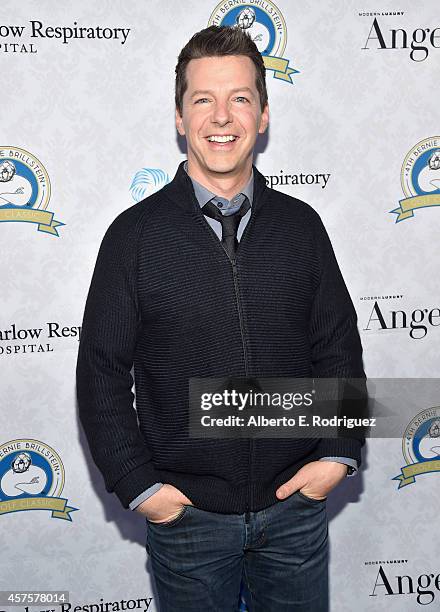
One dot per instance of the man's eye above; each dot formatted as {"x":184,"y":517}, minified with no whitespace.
{"x":201,"y":101}
{"x":241,"y":99}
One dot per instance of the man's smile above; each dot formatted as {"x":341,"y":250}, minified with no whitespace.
{"x":222,"y":142}
{"x":218,"y":138}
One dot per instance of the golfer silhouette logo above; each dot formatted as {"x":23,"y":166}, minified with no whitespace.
{"x":32,"y":477}
{"x":420,"y":178}
{"x":421,"y":446}
{"x":25,"y":190}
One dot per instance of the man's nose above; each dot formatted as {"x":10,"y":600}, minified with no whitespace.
{"x":221,"y":113}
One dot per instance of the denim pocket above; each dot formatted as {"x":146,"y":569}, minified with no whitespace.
{"x":311,"y":500}
{"x":173,"y":521}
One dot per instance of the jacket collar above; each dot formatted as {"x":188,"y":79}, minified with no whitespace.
{"x":181,"y":191}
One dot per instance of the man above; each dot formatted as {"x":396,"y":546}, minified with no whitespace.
{"x":216,"y":275}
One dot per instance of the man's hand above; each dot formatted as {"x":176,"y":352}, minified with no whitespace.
{"x":315,"y":479}
{"x":164,"y":505}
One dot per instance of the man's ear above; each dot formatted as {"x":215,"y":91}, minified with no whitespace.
{"x":179,"y":123}
{"x":264,"y":120}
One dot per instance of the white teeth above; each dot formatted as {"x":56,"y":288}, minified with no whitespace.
{"x":221,"y":138}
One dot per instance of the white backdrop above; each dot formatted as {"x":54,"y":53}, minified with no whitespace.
{"x":83,"y":118}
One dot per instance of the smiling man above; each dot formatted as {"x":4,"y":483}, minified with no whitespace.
{"x":221,"y":114}
{"x":216,"y":275}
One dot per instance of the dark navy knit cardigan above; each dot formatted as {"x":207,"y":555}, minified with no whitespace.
{"x":166,"y":298}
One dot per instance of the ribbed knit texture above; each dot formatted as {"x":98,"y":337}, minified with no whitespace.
{"x":163,"y":298}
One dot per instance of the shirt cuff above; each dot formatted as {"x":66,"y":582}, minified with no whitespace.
{"x":145,"y":495}
{"x":351,"y":463}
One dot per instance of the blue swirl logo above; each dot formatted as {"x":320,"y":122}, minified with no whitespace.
{"x":147,"y":181}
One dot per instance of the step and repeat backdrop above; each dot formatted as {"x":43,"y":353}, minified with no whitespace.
{"x":87,"y":131}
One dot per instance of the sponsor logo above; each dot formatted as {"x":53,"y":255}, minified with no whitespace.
{"x":420,"y":40}
{"x":275,"y":180}
{"x":385,"y":296}
{"x":128,"y":603}
{"x":147,"y":181}
{"x":420,"y":178}
{"x":25,"y":190}
{"x":418,"y":321}
{"x":265,"y":24}
{"x":421,"y":446}
{"x":381,"y":13}
{"x":422,"y":587}
{"x":32,"y":478}
{"x":24,"y":38}
{"x":24,"y":340}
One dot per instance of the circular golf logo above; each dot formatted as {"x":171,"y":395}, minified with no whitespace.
{"x":265,"y":24}
{"x":32,"y":478}
{"x":420,"y":178}
{"x":25,"y":190}
{"x":421,"y":446}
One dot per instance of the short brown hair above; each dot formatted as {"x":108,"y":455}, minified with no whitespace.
{"x":217,"y":41}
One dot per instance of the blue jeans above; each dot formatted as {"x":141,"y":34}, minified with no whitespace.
{"x":199,"y":558}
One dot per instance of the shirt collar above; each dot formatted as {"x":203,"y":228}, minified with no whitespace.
{"x":204,"y":195}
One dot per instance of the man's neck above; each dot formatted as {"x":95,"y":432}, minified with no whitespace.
{"x":225,"y":186}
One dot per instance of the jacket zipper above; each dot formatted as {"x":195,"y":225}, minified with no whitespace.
{"x":243,"y":341}
{"x":245,"y":354}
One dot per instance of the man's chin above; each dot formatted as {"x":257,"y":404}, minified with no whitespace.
{"x":224,"y":167}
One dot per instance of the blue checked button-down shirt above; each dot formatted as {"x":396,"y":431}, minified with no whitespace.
{"x":229,"y":207}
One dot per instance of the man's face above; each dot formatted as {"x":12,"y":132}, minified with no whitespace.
{"x":221,"y":100}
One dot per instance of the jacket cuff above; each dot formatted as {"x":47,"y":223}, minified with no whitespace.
{"x":135,"y":482}
{"x":339,"y":447}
